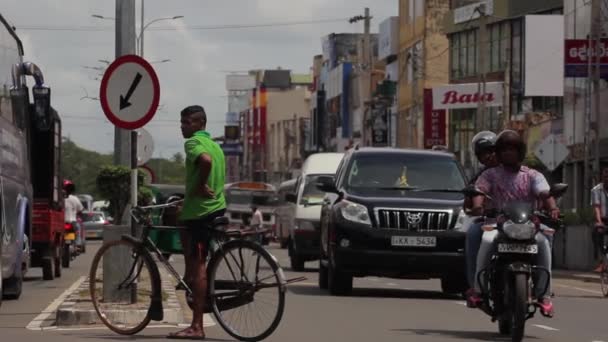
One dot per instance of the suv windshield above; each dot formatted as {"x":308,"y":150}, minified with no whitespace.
{"x":311,"y":194}
{"x":406,"y":171}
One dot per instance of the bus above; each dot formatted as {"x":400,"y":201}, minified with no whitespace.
{"x":241,"y":196}
{"x":21,"y":166}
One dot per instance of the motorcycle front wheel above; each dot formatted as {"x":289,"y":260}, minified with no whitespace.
{"x":519,"y":307}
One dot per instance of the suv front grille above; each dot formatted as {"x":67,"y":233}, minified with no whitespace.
{"x":413,"y":219}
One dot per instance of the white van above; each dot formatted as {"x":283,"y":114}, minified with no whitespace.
{"x":304,"y":230}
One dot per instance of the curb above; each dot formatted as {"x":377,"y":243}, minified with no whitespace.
{"x":68,"y":315}
{"x":585,"y":277}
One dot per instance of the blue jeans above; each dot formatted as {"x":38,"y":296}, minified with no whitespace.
{"x":472,"y":244}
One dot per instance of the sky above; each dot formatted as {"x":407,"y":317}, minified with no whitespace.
{"x":66,"y":42}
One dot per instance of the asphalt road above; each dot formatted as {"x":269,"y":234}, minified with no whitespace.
{"x":379,"y":310}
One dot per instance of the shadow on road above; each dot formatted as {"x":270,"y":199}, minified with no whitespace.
{"x":462,"y":335}
{"x":307,"y":290}
{"x":142,"y":337}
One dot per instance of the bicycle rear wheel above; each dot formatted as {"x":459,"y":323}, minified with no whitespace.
{"x":604,"y":276}
{"x":123,"y":282}
{"x":246,"y":290}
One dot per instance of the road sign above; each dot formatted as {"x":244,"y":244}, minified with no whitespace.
{"x":149,"y":176}
{"x":145,"y":146}
{"x":129,"y":92}
{"x":551,"y":152}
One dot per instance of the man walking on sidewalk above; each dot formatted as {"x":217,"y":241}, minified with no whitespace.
{"x":204,"y":201}
{"x":599,"y":201}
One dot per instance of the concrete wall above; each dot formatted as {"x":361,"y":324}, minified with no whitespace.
{"x":573,"y":249}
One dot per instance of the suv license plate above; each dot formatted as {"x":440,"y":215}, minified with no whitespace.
{"x":517,"y":248}
{"x":414,"y":241}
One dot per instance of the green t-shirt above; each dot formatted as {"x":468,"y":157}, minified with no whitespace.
{"x":196,"y":206}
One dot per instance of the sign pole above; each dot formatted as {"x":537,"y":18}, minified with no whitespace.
{"x":133,"y":178}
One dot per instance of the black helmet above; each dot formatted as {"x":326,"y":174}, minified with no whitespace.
{"x":483,"y":141}
{"x":511,"y":138}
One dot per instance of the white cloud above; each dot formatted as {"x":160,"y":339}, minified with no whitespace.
{"x":197,"y":56}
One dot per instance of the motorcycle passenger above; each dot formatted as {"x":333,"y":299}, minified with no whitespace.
{"x":483,"y":147}
{"x":73,"y":208}
{"x":599,"y":201}
{"x":512,"y":182}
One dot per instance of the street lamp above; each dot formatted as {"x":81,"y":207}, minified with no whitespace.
{"x":161,"y":61}
{"x":140,"y":38}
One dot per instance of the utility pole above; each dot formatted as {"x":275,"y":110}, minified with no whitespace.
{"x":506,"y":106}
{"x":367,"y":61}
{"x":141,"y":34}
{"x":481,"y":85}
{"x":596,"y":17}
{"x":125,"y":45}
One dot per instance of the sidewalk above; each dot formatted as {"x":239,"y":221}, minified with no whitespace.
{"x":78,"y":310}
{"x":588,"y":277}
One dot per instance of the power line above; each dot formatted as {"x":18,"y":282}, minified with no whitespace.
{"x":194,"y":27}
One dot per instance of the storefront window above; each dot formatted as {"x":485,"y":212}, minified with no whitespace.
{"x":454,"y":61}
{"x":472,"y":53}
{"x":463,"y":54}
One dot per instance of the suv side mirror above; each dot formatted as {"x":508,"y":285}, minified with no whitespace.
{"x":42,"y":107}
{"x":291,"y":198}
{"x":327,"y":184}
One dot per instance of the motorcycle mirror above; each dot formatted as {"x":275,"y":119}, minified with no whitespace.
{"x":472,"y":191}
{"x":558,"y":190}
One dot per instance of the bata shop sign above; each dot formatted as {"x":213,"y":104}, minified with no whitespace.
{"x":456,"y":96}
{"x":435,"y":132}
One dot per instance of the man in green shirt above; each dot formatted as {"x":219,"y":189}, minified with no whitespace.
{"x":204,"y":201}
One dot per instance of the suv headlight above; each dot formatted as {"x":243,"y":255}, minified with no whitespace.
{"x":462,"y":221}
{"x":519,"y":231}
{"x":354,"y":212}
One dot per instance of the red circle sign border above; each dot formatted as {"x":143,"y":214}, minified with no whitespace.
{"x":149,"y":169}
{"x":104,"y":99}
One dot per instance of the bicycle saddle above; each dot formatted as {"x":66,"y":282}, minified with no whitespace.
{"x":220,"y":221}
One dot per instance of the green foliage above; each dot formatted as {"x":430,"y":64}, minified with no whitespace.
{"x":82,"y":167}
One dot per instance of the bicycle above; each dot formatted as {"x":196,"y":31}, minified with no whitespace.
{"x":604,"y":271}
{"x":135,"y":298}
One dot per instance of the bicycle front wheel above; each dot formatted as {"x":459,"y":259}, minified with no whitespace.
{"x":246,"y":291}
{"x":123,"y":281}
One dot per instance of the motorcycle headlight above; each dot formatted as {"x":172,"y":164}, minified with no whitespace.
{"x":355,"y":212}
{"x":519,"y":231}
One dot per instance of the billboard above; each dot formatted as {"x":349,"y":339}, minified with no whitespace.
{"x":544,"y":64}
{"x":577,"y":55}
{"x":239,"y":82}
{"x":457,"y":96}
{"x":435,"y":122}
{"x":388,"y":38}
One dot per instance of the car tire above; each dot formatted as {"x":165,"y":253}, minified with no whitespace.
{"x":338,"y":282}
{"x":283,"y":244}
{"x":1,"y":286}
{"x":47,"y":268}
{"x":66,"y":256}
{"x":323,"y":276}
{"x":453,"y":284}
{"x":13,"y":287}
{"x":57,"y":261}
{"x":297,"y":263}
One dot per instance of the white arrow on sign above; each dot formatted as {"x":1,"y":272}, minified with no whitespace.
{"x":551,"y":152}
{"x":145,"y":146}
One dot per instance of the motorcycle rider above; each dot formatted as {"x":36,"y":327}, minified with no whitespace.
{"x":483,"y":147}
{"x":508,"y":182}
{"x":73,"y":207}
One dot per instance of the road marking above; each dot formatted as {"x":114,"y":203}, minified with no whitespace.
{"x":579,"y":289}
{"x":206,"y":323}
{"x":36,"y":323}
{"x":545,"y":327}
{"x":460,"y":303}
{"x":391,"y":284}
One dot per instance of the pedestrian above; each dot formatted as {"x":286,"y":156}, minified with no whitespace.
{"x":599,"y":201}
{"x":204,"y":201}
{"x":72,"y":209}
{"x":256,"y":222}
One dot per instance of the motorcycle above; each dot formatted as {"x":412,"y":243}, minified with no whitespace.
{"x":70,"y":248}
{"x":508,"y":283}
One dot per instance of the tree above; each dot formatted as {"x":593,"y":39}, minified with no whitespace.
{"x":178,"y":158}
{"x":114,"y":184}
